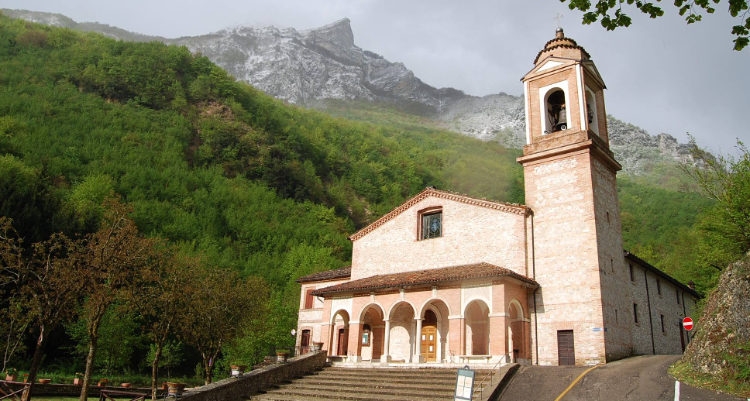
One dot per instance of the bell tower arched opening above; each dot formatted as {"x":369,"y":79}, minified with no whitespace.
{"x":556,"y":112}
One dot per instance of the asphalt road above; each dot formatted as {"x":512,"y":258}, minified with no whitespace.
{"x":642,"y":378}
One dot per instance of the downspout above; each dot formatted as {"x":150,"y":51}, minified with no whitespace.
{"x":533,"y":276}
{"x":650,"y":322}
{"x":536,"y":328}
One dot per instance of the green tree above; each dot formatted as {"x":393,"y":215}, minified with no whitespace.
{"x":611,"y":15}
{"x":45,"y":283}
{"x":725,"y":226}
{"x":117,"y":260}
{"x":163,"y":305}
{"x":220,"y":303}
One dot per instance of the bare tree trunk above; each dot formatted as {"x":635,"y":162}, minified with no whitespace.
{"x":89,"y":367}
{"x":36,"y":360}
{"x":155,"y":370}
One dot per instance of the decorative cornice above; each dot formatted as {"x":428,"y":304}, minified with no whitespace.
{"x":425,"y":279}
{"x":432,"y":192}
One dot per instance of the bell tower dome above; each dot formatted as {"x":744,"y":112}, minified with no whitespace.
{"x":570,"y":186}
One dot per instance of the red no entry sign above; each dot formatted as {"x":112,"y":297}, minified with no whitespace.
{"x":687,"y":323}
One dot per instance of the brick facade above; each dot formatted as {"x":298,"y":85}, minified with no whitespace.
{"x":445,"y":278}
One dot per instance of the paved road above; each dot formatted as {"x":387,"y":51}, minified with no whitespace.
{"x":633,"y":379}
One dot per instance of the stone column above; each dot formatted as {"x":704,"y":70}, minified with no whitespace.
{"x":355,"y":342}
{"x":386,"y":357}
{"x":418,"y":345}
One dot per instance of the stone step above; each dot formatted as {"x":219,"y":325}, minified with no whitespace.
{"x":352,"y":394}
{"x":369,"y":384}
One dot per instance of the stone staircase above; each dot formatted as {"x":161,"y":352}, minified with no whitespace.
{"x":372,"y":384}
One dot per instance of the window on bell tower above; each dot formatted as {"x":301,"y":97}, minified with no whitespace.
{"x":591,"y":113}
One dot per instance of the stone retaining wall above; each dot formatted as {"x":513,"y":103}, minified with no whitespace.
{"x":240,"y":388}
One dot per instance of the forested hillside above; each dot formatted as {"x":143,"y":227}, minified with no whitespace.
{"x":230,"y":175}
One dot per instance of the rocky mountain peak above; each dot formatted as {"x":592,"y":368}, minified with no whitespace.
{"x":336,"y":39}
{"x":325,"y":63}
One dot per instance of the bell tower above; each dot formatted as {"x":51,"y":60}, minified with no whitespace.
{"x":570,"y":184}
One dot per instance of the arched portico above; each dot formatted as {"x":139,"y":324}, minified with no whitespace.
{"x":477,"y":328}
{"x":339,"y":336}
{"x":432,"y":326}
{"x":518,"y":345}
{"x":401,"y":333}
{"x":372,"y":333}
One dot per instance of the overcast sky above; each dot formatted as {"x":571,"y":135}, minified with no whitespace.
{"x":661,"y":75}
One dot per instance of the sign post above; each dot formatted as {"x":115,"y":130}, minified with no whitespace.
{"x":687,"y":323}
{"x":464,"y":384}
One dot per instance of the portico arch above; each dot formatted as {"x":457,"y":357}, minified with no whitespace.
{"x":517,"y":346}
{"x":339,"y":333}
{"x":372,"y":333}
{"x":477,"y":328}
{"x":402,"y":332}
{"x":433,"y":326}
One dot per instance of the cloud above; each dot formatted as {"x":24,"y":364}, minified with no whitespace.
{"x":662,"y":74}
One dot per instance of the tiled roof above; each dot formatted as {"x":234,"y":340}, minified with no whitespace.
{"x":424,"y":278}
{"x":658,"y":272}
{"x":430,"y":191}
{"x":335,"y":274}
{"x":562,"y":42}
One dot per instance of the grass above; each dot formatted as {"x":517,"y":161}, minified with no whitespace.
{"x":730,"y":384}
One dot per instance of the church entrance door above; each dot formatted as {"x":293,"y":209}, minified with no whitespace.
{"x":429,"y":343}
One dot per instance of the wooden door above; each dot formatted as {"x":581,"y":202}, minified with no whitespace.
{"x":566,"y":353}
{"x":343,"y":342}
{"x":305,"y":342}
{"x":429,"y":343}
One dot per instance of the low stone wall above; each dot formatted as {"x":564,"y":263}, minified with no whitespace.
{"x":253,"y":382}
{"x":70,"y":390}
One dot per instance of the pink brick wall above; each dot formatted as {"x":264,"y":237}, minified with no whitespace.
{"x":471,"y":234}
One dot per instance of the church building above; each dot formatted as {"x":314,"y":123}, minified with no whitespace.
{"x":448,"y":279}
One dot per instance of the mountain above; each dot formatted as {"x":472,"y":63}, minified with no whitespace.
{"x":310,"y":67}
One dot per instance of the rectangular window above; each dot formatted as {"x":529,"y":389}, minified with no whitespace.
{"x":632,"y":273}
{"x":432,"y":225}
{"x":677,"y":292}
{"x":366,"y":335}
{"x":661,"y":317}
{"x":309,"y":299}
{"x":635,"y":312}
{"x":658,"y":287}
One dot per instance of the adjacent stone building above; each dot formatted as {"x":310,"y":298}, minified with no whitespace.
{"x":446,"y":278}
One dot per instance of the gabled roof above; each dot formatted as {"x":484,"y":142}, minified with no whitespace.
{"x":424,"y":279}
{"x":328,"y":275}
{"x":661,"y":274}
{"x":432,"y":192}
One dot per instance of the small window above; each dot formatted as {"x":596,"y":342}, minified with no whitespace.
{"x":432,"y":225}
{"x":635,"y":313}
{"x":309,"y":299}
{"x":632,"y":272}
{"x":366,"y":335}
{"x":677,"y":292}
{"x":658,"y":287}
{"x":661,"y":318}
